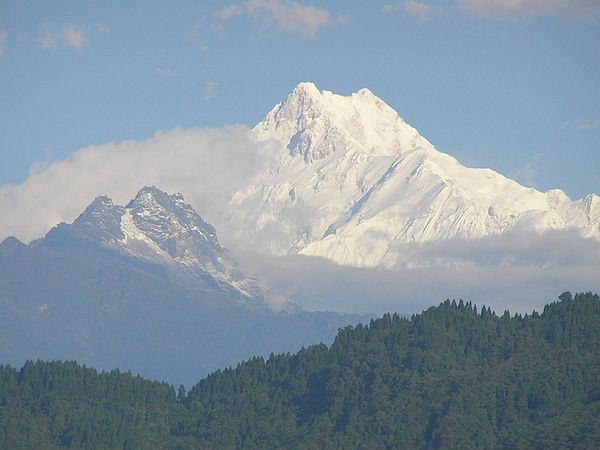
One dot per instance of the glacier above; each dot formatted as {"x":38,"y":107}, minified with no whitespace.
{"x":349,"y":180}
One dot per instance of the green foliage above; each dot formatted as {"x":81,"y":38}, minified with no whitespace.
{"x":449,"y":378}
{"x":63,"y":405}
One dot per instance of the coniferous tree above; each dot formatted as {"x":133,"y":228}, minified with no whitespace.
{"x":449,"y":378}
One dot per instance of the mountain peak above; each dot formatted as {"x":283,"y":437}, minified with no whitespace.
{"x":100,"y":203}
{"x":365,"y":92}
{"x":306,"y":88}
{"x":148,"y":194}
{"x":12,"y":245}
{"x":315,"y":124}
{"x":100,"y":220}
{"x":310,"y":89}
{"x":591,"y":204}
{"x":163,"y":229}
{"x":150,"y":190}
{"x":351,"y":181}
{"x":160,"y":214}
{"x":151,"y":198}
{"x":99,"y":207}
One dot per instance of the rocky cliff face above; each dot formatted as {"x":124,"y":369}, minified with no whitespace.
{"x":163,"y":229}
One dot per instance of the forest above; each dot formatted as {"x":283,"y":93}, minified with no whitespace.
{"x":452,"y":377}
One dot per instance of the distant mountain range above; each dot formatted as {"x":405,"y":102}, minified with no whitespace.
{"x":351,"y":181}
{"x":162,"y":229}
{"x":149,"y":287}
{"x":146,"y":287}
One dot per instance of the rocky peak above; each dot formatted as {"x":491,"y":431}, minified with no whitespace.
{"x":101,"y":220}
{"x":11,"y":245}
{"x":99,"y":207}
{"x":314,"y":124}
{"x":305,"y":90}
{"x":171,"y":223}
{"x":592,"y":204}
{"x":163,"y":229}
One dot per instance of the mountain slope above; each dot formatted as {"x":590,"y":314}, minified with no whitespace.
{"x":162,"y":229}
{"x":146,"y":287}
{"x":450,"y":378}
{"x":349,"y":180}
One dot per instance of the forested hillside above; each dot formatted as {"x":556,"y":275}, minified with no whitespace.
{"x":453,"y":377}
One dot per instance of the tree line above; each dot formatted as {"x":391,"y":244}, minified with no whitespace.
{"x":453,"y":377}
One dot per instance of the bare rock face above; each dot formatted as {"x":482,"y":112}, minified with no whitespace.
{"x":163,"y":229}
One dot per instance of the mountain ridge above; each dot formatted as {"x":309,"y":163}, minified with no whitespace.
{"x":164,"y":229}
{"x":350,"y":180}
{"x":146,"y":287}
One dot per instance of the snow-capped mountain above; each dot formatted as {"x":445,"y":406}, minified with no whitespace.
{"x":349,"y":180}
{"x":164,"y":229}
{"x":145,"y":287}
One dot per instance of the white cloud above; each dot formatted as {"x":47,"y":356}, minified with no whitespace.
{"x":210,"y":90}
{"x":2,"y":41}
{"x":502,"y":9}
{"x":580,"y":124}
{"x":525,"y":174}
{"x":206,"y":165}
{"x":286,"y":15}
{"x":517,"y":271}
{"x":74,"y":38}
{"x":413,"y":7}
{"x":230,"y":11}
{"x":589,"y":125}
{"x":50,"y":41}
{"x":165,"y":72}
{"x":68,"y":35}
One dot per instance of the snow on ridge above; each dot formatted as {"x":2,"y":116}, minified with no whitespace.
{"x":163,"y":229}
{"x":314,"y":123}
{"x":137,"y":243}
{"x":350,"y":180}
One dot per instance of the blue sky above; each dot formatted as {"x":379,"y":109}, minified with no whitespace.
{"x":511,"y":85}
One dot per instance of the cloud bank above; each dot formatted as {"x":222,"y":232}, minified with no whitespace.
{"x":412,"y":7}
{"x":519,"y":272}
{"x":503,"y":9}
{"x":206,"y":165}
{"x":284,"y":15}
{"x":589,"y":125}
{"x":165,"y":72}
{"x":67,"y":35}
{"x":2,"y":41}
